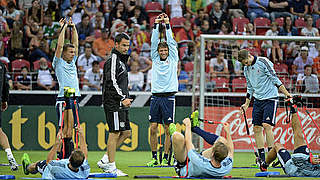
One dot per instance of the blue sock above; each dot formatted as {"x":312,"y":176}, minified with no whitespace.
{"x":208,"y":137}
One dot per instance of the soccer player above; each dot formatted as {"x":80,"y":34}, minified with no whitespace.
{"x":4,"y":143}
{"x":213,"y":162}
{"x":116,"y":101}
{"x":298,"y":163}
{"x":76,"y":167}
{"x":263,"y":85}
{"x":164,"y":85}
{"x":64,"y":64}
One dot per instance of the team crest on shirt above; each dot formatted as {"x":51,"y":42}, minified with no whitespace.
{"x":121,"y":124}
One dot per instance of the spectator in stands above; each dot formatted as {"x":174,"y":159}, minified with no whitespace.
{"x":183,"y":78}
{"x":315,"y":11}
{"x":288,"y":29}
{"x":98,"y":23}
{"x":205,"y":28}
{"x":301,"y":61}
{"x":107,"y":6}
{"x":85,"y":30}
{"x":45,"y":80}
{"x":17,"y":37}
{"x":92,"y":6}
{"x":236,"y":8}
{"x":3,"y":23}
{"x":144,"y":63}
{"x":217,"y":17}
{"x":226,"y":29}
{"x":54,"y":42}
{"x":307,"y":82}
{"x":11,"y":14}
{"x":249,"y":30}
{"x":138,"y":17}
{"x":234,"y":66}
{"x":25,"y":4}
{"x":209,"y":51}
{"x":31,"y":31}
{"x":258,"y":9}
{"x":86,"y":59}
{"x":201,"y":15}
{"x":24,"y":80}
{"x":192,"y":6}
{"x":135,"y":77}
{"x":45,"y":3}
{"x":53,"y":11}
{"x":274,"y":52}
{"x":139,"y":37}
{"x":49,"y":27}
{"x":103,"y":45}
{"x":219,"y":66}
{"x":310,"y":31}
{"x":118,"y":12}
{"x":189,"y":53}
{"x":34,"y":13}
{"x":131,"y":5}
{"x":279,"y":8}
{"x":93,"y":78}
{"x":118,"y":27}
{"x":76,"y":10}
{"x":316,"y":63}
{"x":299,"y":8}
{"x":148,"y":83}
{"x":175,"y":8}
{"x":185,"y":33}
{"x":39,"y":47}
{"x":145,"y":50}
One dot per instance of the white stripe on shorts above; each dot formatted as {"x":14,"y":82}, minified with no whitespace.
{"x":274,"y":112}
{"x":116,"y":121}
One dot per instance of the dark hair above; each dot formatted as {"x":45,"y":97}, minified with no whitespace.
{"x":11,"y":5}
{"x":84,"y":16}
{"x":121,"y":36}
{"x":243,"y":54}
{"x":162,"y":45}
{"x":76,"y":158}
{"x":87,"y":45}
{"x":66,"y":46}
{"x":95,"y":63}
{"x":306,"y":66}
{"x":220,"y":151}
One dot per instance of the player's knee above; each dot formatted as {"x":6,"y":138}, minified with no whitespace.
{"x":126,"y":134}
{"x":267,"y":127}
{"x":278,"y":146}
{"x":153,"y":128}
{"x":177,"y":138}
{"x":257,"y":129}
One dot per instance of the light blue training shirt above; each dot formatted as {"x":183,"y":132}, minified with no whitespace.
{"x":66,"y":74}
{"x":200,"y":166}
{"x":58,"y":169}
{"x":299,"y":165}
{"x":262,"y":81}
{"x":164,"y":76}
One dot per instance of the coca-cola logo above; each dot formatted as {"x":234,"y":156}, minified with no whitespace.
{"x":283,"y":133}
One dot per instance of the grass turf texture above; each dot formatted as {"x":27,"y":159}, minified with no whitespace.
{"x":125,"y":159}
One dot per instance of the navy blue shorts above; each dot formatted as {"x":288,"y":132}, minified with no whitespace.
{"x":117,"y":120}
{"x":264,"y":111}
{"x":69,"y":105}
{"x":284,"y":155}
{"x":162,"y":109}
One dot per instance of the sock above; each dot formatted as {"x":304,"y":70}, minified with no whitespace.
{"x":154,"y":155}
{"x":165,"y":156}
{"x":105,"y":159}
{"x":269,"y":149}
{"x":9,"y":153}
{"x":208,"y":137}
{"x":112,"y":165}
{"x":262,"y":154}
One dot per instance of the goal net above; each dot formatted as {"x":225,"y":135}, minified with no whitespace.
{"x":222,"y":86}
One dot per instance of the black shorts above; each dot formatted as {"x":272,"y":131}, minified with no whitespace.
{"x":118,"y":120}
{"x":264,"y":111}
{"x":284,"y":155}
{"x":41,"y":165}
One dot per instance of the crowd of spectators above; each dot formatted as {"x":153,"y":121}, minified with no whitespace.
{"x":29,"y":31}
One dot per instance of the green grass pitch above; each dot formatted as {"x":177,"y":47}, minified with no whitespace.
{"x":125,"y":159}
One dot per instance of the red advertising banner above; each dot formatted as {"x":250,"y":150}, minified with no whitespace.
{"x":239,"y":135}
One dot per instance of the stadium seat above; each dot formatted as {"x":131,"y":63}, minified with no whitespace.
{"x":286,"y":81}
{"x":151,"y":20}
{"x":222,"y":84}
{"x":177,"y":24}
{"x":17,"y":64}
{"x":261,"y":25}
{"x":188,"y":67}
{"x":280,"y":21}
{"x":239,"y":84}
{"x":238,"y":24}
{"x":182,"y":51}
{"x":255,"y":51}
{"x":207,"y":66}
{"x":299,"y":24}
{"x":36,"y":65}
{"x":101,"y":64}
{"x":281,"y":68}
{"x":153,"y":9}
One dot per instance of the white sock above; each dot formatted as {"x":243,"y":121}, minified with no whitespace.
{"x":112,"y":165}
{"x":9,"y":153}
{"x":105,"y":159}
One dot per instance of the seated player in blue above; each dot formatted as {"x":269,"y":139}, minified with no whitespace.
{"x":76,"y":167}
{"x":213,"y":162}
{"x":300,"y":163}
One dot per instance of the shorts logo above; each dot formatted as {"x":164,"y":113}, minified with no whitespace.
{"x":307,"y":150}
{"x":121,"y":124}
{"x":268,"y":119}
{"x":149,"y":117}
{"x":169,"y":119}
{"x":283,"y":150}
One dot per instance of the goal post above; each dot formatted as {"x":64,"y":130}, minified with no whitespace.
{"x":224,"y":102}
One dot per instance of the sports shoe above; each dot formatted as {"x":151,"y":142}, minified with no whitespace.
{"x":120,"y":173}
{"x":13,"y":164}
{"x":115,"y":171}
{"x":194,"y":117}
{"x":172,"y":128}
{"x":25,"y":163}
{"x":262,"y":165}
{"x":152,"y":163}
{"x":102,"y":165}
{"x":275,"y":164}
{"x":165,"y":162}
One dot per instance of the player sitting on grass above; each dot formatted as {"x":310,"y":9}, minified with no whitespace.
{"x":213,"y":162}
{"x":76,"y":167}
{"x":299,"y":163}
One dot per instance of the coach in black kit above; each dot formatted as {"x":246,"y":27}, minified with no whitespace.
{"x":116,"y":101}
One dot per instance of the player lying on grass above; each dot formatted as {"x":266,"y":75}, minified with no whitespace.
{"x":299,"y":163}
{"x":76,"y":167}
{"x":213,"y":162}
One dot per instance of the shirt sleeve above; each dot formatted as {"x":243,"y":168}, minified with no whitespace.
{"x":154,"y":42}
{"x":249,"y":85}
{"x":86,"y":75}
{"x":271,"y":73}
{"x":55,"y":62}
{"x":194,"y":157}
{"x":173,"y":47}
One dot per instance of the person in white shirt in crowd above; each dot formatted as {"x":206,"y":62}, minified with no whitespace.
{"x":86,"y":59}
{"x":219,"y":65}
{"x":309,"y":30}
{"x":144,"y":62}
{"x":274,"y":51}
{"x":93,"y":77}
{"x":175,"y":8}
{"x":135,"y":77}
{"x":45,"y":79}
{"x":307,"y":82}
